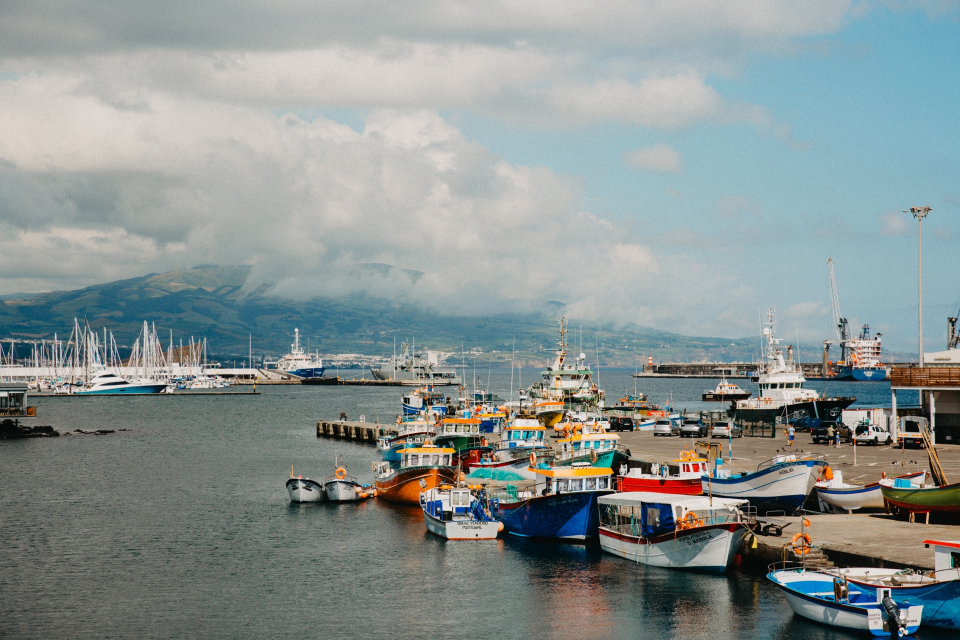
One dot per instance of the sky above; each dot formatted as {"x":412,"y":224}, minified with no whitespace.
{"x":680,"y":165}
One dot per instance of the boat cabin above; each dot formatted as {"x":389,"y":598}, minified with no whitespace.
{"x":522,"y":432}
{"x":646,"y":514}
{"x":13,"y":401}
{"x":579,"y":477}
{"x":584,"y":443}
{"x":459,"y":426}
{"x":426,"y":456}
{"x":695,"y":467}
{"x":946,"y":556}
{"x":446,"y":503}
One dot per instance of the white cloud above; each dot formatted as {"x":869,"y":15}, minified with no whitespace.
{"x":660,"y":158}
{"x":895,"y":224}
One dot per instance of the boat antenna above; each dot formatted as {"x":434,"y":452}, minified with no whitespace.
{"x":513,"y":361}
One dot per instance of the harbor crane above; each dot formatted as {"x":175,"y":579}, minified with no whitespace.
{"x":843,"y":331}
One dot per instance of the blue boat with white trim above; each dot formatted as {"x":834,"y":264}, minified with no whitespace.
{"x":562,"y":505}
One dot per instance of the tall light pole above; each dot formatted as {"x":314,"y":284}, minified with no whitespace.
{"x":920,"y":213}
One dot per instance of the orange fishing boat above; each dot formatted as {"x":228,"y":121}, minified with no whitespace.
{"x":420,"y":468}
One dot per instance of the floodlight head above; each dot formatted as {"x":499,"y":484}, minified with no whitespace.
{"x":919,"y":212}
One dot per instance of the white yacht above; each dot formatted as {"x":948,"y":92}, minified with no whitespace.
{"x":300,"y":363}
{"x":107,"y":382}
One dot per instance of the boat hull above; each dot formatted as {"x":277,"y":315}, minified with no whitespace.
{"x":810,"y":595}
{"x":710,"y":548}
{"x":304,"y":490}
{"x":940,"y":600}
{"x":307,"y":372}
{"x":853,"y":497}
{"x":343,"y":491}
{"x":863,"y":374}
{"x":686,"y":486}
{"x":944,"y":499}
{"x":461,"y":529}
{"x":565,"y":516}
{"x":115,"y":391}
{"x":609,"y":459}
{"x":829,"y":408}
{"x":781,"y":487}
{"x":404,"y":485}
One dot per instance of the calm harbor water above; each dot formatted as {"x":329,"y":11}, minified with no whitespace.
{"x":181,"y":527}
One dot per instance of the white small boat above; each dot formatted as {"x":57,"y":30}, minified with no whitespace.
{"x":840,"y":497}
{"x":457,"y":514}
{"x":341,"y":487}
{"x":828,"y":599}
{"x":670,"y":530}
{"x":725,"y":392}
{"x":304,"y":489}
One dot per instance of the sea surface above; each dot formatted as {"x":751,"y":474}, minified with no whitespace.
{"x":178,"y":525}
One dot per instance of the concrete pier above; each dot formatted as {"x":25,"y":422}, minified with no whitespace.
{"x":361,"y":432}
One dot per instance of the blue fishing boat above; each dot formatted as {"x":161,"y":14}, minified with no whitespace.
{"x":424,"y":400}
{"x":562,"y":505}
{"x":780,"y":484}
{"x":938,"y":591}
{"x":829,"y":600}
{"x":409,"y":433}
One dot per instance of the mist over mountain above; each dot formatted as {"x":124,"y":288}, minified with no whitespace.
{"x":220,"y":304}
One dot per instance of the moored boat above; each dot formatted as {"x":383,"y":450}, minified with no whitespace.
{"x":457,"y":514}
{"x":599,"y":449}
{"x":828,"y":599}
{"x":687,"y":480}
{"x":674,"y":531}
{"x":302,"y":489}
{"x":341,"y":487}
{"x":562,"y":505}
{"x":938,"y":591}
{"x":107,"y":382}
{"x":780,"y":484}
{"x":725,"y":392}
{"x":781,"y":390}
{"x":409,"y":433}
{"x":420,"y":468}
{"x":298,"y":362}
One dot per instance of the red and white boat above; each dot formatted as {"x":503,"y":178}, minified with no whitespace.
{"x":686,"y":482}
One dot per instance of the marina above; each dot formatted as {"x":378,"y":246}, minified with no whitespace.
{"x":861,"y":539}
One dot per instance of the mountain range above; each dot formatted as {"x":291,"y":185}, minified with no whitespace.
{"x":216,"y":303}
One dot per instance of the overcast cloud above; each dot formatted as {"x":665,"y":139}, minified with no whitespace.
{"x":141,"y":137}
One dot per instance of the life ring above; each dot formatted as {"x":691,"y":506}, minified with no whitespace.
{"x":341,"y":473}
{"x":533,"y":459}
{"x":686,"y":455}
{"x":593,"y":456}
{"x":801,"y":544}
{"x":690,"y":521}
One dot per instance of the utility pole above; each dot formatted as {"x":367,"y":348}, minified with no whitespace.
{"x":920,"y":213}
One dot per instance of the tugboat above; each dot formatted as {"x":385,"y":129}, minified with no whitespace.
{"x":781,"y":387}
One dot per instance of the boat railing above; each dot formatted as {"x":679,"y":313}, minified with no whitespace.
{"x":512,"y":493}
{"x":788,"y":458}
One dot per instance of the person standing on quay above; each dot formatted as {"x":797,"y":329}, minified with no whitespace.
{"x":790,"y":435}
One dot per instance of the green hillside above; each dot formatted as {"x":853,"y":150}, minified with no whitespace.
{"x":211,"y":302}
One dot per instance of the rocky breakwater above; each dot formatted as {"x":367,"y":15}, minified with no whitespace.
{"x":12,"y":429}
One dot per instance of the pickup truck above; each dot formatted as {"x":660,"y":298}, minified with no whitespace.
{"x":819,"y":430}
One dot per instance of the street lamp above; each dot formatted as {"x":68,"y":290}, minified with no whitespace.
{"x":920,"y":213}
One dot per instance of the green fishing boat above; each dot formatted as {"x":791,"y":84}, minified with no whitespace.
{"x":931,"y":499}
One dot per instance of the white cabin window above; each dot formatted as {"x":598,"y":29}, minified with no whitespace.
{"x":590,"y":484}
{"x":413,"y":460}
{"x":561,"y":485}
{"x":576,"y":485}
{"x":602,"y":483}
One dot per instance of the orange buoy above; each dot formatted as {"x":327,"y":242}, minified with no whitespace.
{"x":828,"y":473}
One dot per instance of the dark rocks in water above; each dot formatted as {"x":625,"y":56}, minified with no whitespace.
{"x":12,"y":429}
{"x":98,"y":432}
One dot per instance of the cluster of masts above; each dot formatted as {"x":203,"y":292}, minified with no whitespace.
{"x":86,"y":352}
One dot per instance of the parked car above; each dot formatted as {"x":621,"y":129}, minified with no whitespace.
{"x":725,"y":429}
{"x":693,"y":428}
{"x":666,"y":427}
{"x":621,"y":423}
{"x":871,"y":434}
